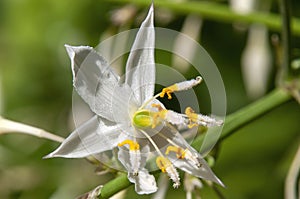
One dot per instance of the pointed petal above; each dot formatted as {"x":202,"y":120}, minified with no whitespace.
{"x":94,"y":136}
{"x":140,"y":67}
{"x":204,"y":171}
{"x":97,"y":83}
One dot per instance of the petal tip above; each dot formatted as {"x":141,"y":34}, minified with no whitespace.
{"x":50,"y":155}
{"x":70,"y":50}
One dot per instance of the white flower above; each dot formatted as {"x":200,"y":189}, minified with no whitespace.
{"x":128,"y":115}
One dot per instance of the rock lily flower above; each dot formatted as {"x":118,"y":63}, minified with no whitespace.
{"x":129,"y":117}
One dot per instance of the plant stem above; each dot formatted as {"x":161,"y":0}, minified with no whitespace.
{"x":291,"y":179}
{"x":114,"y":186}
{"x":233,"y":122}
{"x":220,"y":12}
{"x":247,"y":114}
{"x":286,"y":38}
{"x":8,"y":126}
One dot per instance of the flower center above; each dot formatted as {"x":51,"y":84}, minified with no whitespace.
{"x":142,"y":118}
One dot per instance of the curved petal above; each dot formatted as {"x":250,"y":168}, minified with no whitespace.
{"x":94,"y":136}
{"x":204,"y":171}
{"x":144,"y":182}
{"x":140,"y":66}
{"x":97,"y":83}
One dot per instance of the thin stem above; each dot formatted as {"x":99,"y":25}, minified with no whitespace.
{"x":286,"y":38}
{"x":114,"y":186}
{"x":220,"y":12}
{"x":170,"y":141}
{"x":218,"y":192}
{"x":148,"y":101}
{"x":153,"y":143}
{"x":291,"y":179}
{"x":8,"y":126}
{"x":233,"y":122}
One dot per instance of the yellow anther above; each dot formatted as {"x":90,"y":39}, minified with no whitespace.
{"x":163,"y":163}
{"x":133,"y":146}
{"x":193,"y":117}
{"x":160,"y":114}
{"x":180,"y":153}
{"x":168,"y":91}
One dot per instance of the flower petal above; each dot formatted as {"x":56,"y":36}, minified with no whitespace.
{"x":124,"y":155}
{"x":144,"y":182}
{"x":204,"y":171}
{"x":97,"y":83}
{"x":94,"y":136}
{"x":140,"y":66}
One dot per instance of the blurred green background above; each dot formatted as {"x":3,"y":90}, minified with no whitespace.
{"x":36,"y":89}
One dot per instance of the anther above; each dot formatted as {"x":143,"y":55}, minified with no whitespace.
{"x":133,"y":146}
{"x":193,"y":117}
{"x":168,"y":91}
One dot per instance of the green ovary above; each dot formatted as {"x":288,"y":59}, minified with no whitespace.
{"x":142,"y":118}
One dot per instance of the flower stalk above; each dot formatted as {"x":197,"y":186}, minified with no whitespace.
{"x":221,"y":12}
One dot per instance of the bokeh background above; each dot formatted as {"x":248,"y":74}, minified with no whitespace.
{"x":36,"y":89}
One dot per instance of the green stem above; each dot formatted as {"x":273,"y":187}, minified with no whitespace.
{"x":114,"y":186}
{"x":245,"y":115}
{"x":233,"y":122}
{"x":286,"y":38}
{"x":220,"y":12}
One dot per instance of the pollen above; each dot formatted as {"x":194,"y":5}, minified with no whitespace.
{"x":161,"y":114}
{"x":180,"y":153}
{"x":184,"y":154}
{"x":166,"y":166}
{"x":193,"y":117}
{"x":168,"y":91}
{"x":163,"y":163}
{"x":133,"y":146}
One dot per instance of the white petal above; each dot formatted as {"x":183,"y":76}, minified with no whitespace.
{"x":97,"y":83}
{"x":124,"y":155}
{"x":144,"y":182}
{"x":94,"y":136}
{"x":140,"y":67}
{"x":203,"y":172}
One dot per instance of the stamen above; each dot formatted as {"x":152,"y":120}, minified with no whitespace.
{"x":185,"y":85}
{"x":168,"y":91}
{"x":134,"y":155}
{"x":168,"y":115}
{"x":198,"y":119}
{"x":152,"y":142}
{"x":160,"y":114}
{"x":180,"y":153}
{"x":162,"y":163}
{"x":193,"y":117}
{"x":165,"y":165}
{"x":184,"y":154}
{"x":133,"y":146}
